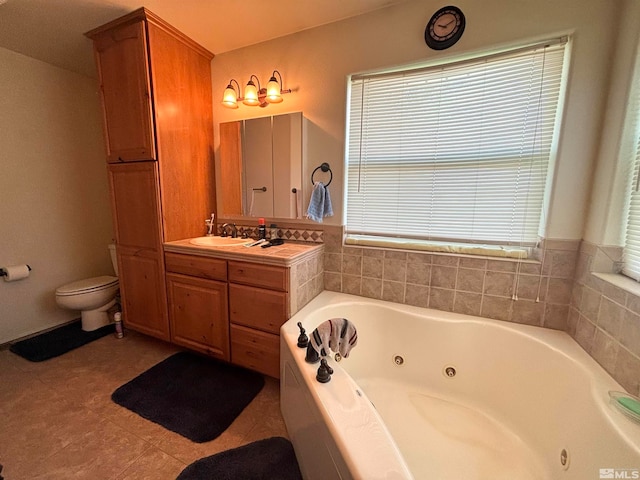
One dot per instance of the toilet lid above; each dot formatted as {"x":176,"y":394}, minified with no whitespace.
{"x":87,"y":285}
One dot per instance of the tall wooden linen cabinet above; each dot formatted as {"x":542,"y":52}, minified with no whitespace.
{"x":155,"y":85}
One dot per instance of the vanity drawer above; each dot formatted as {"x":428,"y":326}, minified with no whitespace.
{"x":203,"y":267}
{"x":265,"y":276}
{"x":256,"y":350}
{"x":257,"y":307}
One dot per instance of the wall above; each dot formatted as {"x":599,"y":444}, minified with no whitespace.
{"x":315,"y":63}
{"x":55,"y":210}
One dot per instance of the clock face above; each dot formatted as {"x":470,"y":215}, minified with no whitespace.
{"x":445,"y":28}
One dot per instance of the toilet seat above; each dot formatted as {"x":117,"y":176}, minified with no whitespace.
{"x":88,"y":285}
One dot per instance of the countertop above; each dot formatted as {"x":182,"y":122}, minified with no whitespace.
{"x":283,"y":255}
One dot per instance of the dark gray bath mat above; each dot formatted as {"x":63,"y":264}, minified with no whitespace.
{"x":270,"y":459}
{"x":58,"y":341}
{"x":194,"y":396}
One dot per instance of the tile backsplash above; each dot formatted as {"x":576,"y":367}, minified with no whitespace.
{"x":558,"y":291}
{"x":531,"y":292}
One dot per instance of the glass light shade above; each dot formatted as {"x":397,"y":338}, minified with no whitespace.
{"x":230,"y":98}
{"x":251,"y":95}
{"x":273,"y":91}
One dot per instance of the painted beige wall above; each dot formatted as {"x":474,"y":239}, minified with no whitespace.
{"x":316,"y":63}
{"x":54,"y":213}
{"x":606,"y":214}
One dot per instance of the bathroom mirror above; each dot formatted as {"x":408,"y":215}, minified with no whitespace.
{"x":261,"y":167}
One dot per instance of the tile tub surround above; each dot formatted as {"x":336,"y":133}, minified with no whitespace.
{"x":467,"y":284}
{"x":605,"y":318}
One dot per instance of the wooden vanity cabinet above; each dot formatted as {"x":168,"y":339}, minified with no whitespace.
{"x":155,"y":86}
{"x":198,"y":307}
{"x":258,"y":306}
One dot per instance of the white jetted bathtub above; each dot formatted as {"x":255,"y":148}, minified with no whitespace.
{"x":440,"y":396}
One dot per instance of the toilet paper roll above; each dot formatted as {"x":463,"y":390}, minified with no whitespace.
{"x":15,"y":272}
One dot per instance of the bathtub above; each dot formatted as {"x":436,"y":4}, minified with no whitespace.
{"x":441,"y":396}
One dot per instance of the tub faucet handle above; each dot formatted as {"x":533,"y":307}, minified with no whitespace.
{"x":303,"y":340}
{"x":324,"y":372}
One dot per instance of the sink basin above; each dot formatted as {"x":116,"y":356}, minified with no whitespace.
{"x":219,"y":241}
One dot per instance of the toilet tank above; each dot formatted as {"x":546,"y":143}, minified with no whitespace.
{"x":114,"y":259}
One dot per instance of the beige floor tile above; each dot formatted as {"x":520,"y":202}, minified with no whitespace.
{"x":57,"y":420}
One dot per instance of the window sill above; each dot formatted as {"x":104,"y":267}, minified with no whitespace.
{"x":620,"y":281}
{"x":439,"y":247}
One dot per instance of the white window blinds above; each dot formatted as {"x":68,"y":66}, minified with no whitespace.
{"x":458,"y":152}
{"x":630,"y":158}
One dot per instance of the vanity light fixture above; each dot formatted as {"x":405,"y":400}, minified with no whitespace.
{"x":255,"y":95}
{"x":230,"y":97}
{"x":274,"y":88}
{"x":251,"y":92}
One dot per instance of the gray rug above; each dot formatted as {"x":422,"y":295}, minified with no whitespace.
{"x":270,"y":459}
{"x":197,"y":397}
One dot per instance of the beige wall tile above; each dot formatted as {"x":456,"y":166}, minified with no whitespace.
{"x":555,"y":316}
{"x":528,"y":268}
{"x":610,"y":317}
{"x":633,"y":303}
{"x":626,"y":371}
{"x":585,"y":331}
{"x":372,"y":267}
{"x":498,"y":308}
{"x":470,"y":280}
{"x":559,"y":290}
{"x":576,"y":295}
{"x":394,"y":270}
{"x":417,"y":295}
{"x":532,"y":287}
{"x":441,"y":299}
{"x":351,"y":284}
{"x":590,"y":304}
{"x":443,"y":277}
{"x":332,"y":281}
{"x":447,"y":260}
{"x":347,"y":250}
{"x":572,"y":321}
{"x":395,"y":255}
{"x":418,"y":273}
{"x":630,"y":332}
{"x":352,"y":264}
{"x":527,"y":312}
{"x":614,"y":293}
{"x":605,"y":350}
{"x":469,"y":262}
{"x":467,"y":303}
{"x":372,"y":288}
{"x":563,"y":264}
{"x":332,"y":262}
{"x":393,"y":291}
{"x":373,"y":252}
{"x":502,"y":265}
{"x":419,"y":257}
{"x":499,"y":284}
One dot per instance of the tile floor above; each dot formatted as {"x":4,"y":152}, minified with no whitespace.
{"x":57,"y":420}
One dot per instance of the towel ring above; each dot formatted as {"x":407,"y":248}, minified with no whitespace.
{"x":325,"y":168}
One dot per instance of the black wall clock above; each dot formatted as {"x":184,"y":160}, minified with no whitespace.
{"x":445,"y":28}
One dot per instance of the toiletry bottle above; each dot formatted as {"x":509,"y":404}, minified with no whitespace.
{"x":118,"y":319}
{"x":262,"y":229}
{"x":273,"y":231}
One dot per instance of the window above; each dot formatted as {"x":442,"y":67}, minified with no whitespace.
{"x":630,"y":158}
{"x":457,"y":152}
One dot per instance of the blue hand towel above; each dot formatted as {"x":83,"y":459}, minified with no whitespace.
{"x":320,"y":203}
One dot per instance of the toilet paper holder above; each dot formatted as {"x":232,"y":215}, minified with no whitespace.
{"x":3,"y":272}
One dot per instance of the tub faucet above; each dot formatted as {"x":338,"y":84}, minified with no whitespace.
{"x":234,"y":230}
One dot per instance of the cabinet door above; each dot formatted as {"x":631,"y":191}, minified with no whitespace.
{"x":198,"y":312}
{"x":143,"y":294}
{"x":136,"y":214}
{"x":123,"y":70}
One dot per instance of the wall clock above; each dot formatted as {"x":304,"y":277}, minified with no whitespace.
{"x":445,"y":28}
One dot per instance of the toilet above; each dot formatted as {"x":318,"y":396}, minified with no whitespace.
{"x":92,"y":296}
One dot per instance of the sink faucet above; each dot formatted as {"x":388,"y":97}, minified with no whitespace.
{"x":234,"y":230}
